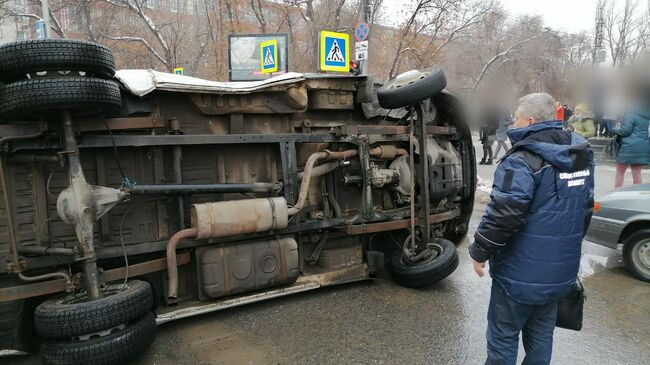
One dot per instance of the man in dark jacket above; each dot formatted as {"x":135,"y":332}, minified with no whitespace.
{"x":532,"y":230}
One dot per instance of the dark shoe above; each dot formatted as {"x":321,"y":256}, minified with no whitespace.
{"x":488,"y":163}
{"x":482,"y":162}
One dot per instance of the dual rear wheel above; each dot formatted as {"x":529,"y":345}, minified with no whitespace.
{"x":56,"y":74}
{"x":105,"y":331}
{"x":43,"y":76}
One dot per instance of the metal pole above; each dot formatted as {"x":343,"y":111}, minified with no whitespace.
{"x":175,"y":129}
{"x":365,"y":11}
{"x":46,"y":18}
{"x":180,"y":189}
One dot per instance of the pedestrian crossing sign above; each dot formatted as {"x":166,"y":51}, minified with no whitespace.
{"x":269,"y":56}
{"x":334,"y":51}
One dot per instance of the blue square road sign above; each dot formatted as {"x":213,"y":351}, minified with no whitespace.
{"x":334,"y":51}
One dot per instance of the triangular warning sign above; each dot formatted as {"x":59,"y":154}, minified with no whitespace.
{"x":335,"y":54}
{"x":268,"y":58}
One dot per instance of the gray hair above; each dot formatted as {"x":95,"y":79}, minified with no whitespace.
{"x":539,"y":106}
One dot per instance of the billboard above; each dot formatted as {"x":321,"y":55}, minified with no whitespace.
{"x":244,"y":56}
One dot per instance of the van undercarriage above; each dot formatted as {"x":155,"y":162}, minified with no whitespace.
{"x":218,"y":197}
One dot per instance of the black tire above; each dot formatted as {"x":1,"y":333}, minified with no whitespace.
{"x":20,"y":58}
{"x":411,"y":87}
{"x":73,"y":315}
{"x":115,"y":348}
{"x":428,"y":270}
{"x":637,"y":244}
{"x":61,"y":93}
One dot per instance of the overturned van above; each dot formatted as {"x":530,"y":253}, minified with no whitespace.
{"x":132,"y":198}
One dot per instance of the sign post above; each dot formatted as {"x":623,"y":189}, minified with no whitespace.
{"x":334,"y":51}
{"x":269,"y":56}
{"x":361,"y":33}
{"x":40,"y":29}
{"x":361,"y":51}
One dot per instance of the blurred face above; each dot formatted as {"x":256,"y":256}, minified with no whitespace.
{"x":522,"y":120}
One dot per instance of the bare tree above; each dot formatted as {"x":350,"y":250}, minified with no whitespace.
{"x":622,"y":30}
{"x":317,"y":16}
{"x":258,"y":9}
{"x":162,"y":52}
{"x":8,"y":8}
{"x":403,"y":38}
{"x":433,"y":25}
{"x":512,"y":49}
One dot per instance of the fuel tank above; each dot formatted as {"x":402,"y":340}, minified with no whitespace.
{"x":244,"y":267}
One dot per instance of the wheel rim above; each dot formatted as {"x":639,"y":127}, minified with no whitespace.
{"x":408,"y":78}
{"x":641,"y":256}
{"x":433,"y":250}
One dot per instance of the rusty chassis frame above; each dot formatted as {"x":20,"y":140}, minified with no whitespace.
{"x":30,"y":139}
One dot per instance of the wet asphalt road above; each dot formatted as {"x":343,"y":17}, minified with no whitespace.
{"x":379,"y":322}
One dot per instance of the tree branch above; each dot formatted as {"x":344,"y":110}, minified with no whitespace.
{"x":143,"y":42}
{"x":512,"y":49}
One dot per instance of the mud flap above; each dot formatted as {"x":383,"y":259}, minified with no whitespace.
{"x":376,"y":265}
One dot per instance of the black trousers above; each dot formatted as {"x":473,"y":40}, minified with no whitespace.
{"x":487,"y":151}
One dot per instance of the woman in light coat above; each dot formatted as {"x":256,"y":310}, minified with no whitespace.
{"x":582,"y":121}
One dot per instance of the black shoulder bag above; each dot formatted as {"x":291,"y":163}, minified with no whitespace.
{"x":612,"y":147}
{"x":569,"y":308}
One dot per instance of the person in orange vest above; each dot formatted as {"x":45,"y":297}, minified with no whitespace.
{"x":559,"y":111}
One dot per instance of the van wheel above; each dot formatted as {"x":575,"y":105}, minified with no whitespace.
{"x":72,"y":93}
{"x":441,"y":261}
{"x":17,"y":59}
{"x":75,"y":315}
{"x":411,"y":87}
{"x":636,"y":254}
{"x":114,"y":348}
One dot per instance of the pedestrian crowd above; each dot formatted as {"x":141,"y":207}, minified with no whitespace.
{"x":629,"y":131}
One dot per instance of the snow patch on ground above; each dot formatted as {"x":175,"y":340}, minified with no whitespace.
{"x":483,"y":190}
{"x":596,"y":258}
{"x":483,"y":185}
{"x":12,"y":353}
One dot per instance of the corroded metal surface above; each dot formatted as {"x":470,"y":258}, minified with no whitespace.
{"x":247,"y":266}
{"x":172,"y":265}
{"x":294,"y":100}
{"x":238,"y":139}
{"x":398,"y":224}
{"x":304,"y":283}
{"x":142,"y":268}
{"x":31,"y":290}
{"x":237,"y":217}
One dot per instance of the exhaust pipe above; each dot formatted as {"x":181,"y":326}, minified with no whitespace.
{"x":236,"y":217}
{"x":307,"y":174}
{"x":172,"y":265}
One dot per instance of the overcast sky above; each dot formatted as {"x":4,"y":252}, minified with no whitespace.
{"x":571,"y":16}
